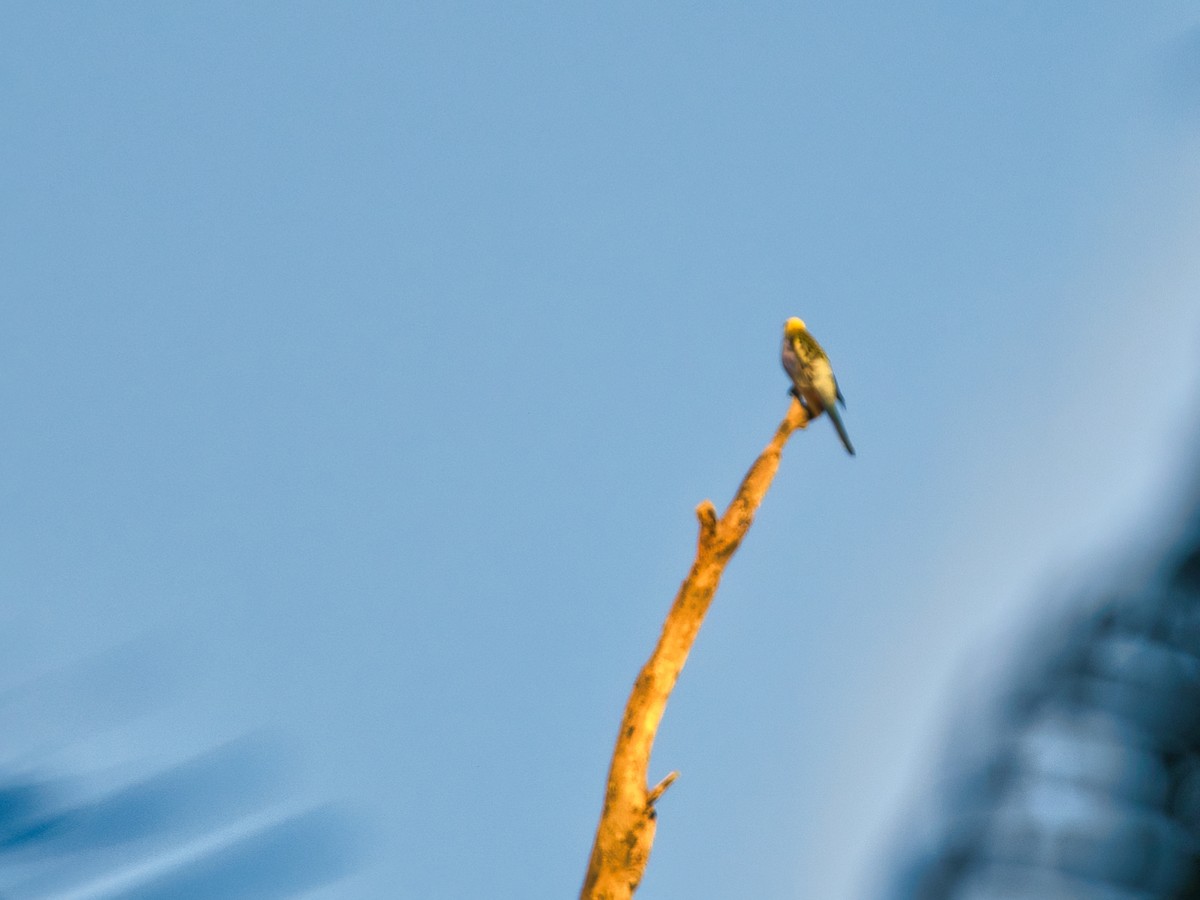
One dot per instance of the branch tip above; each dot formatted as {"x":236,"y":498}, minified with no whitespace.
{"x":659,"y":789}
{"x":707,"y":514}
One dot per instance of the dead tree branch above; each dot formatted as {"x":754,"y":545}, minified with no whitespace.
{"x":626,"y":830}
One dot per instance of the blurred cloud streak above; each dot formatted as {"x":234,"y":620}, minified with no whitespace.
{"x":224,"y":822}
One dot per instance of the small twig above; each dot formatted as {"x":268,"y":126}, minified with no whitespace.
{"x":658,"y":790}
{"x":706,"y":513}
{"x":626,"y":830}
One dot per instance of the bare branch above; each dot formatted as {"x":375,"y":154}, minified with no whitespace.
{"x":626,"y":830}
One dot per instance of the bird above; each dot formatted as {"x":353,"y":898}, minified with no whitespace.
{"x":813,"y":382}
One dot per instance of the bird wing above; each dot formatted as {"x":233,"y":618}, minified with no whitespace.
{"x":807,"y":347}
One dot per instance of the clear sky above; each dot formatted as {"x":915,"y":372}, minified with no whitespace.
{"x":362,"y":364}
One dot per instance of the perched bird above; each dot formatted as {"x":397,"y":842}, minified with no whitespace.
{"x":813,"y":383}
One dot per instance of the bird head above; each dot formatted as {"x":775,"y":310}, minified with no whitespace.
{"x":793,"y":327}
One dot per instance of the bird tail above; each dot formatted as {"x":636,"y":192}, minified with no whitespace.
{"x":841,"y":429}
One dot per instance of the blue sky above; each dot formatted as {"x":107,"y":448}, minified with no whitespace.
{"x":362,"y":364}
